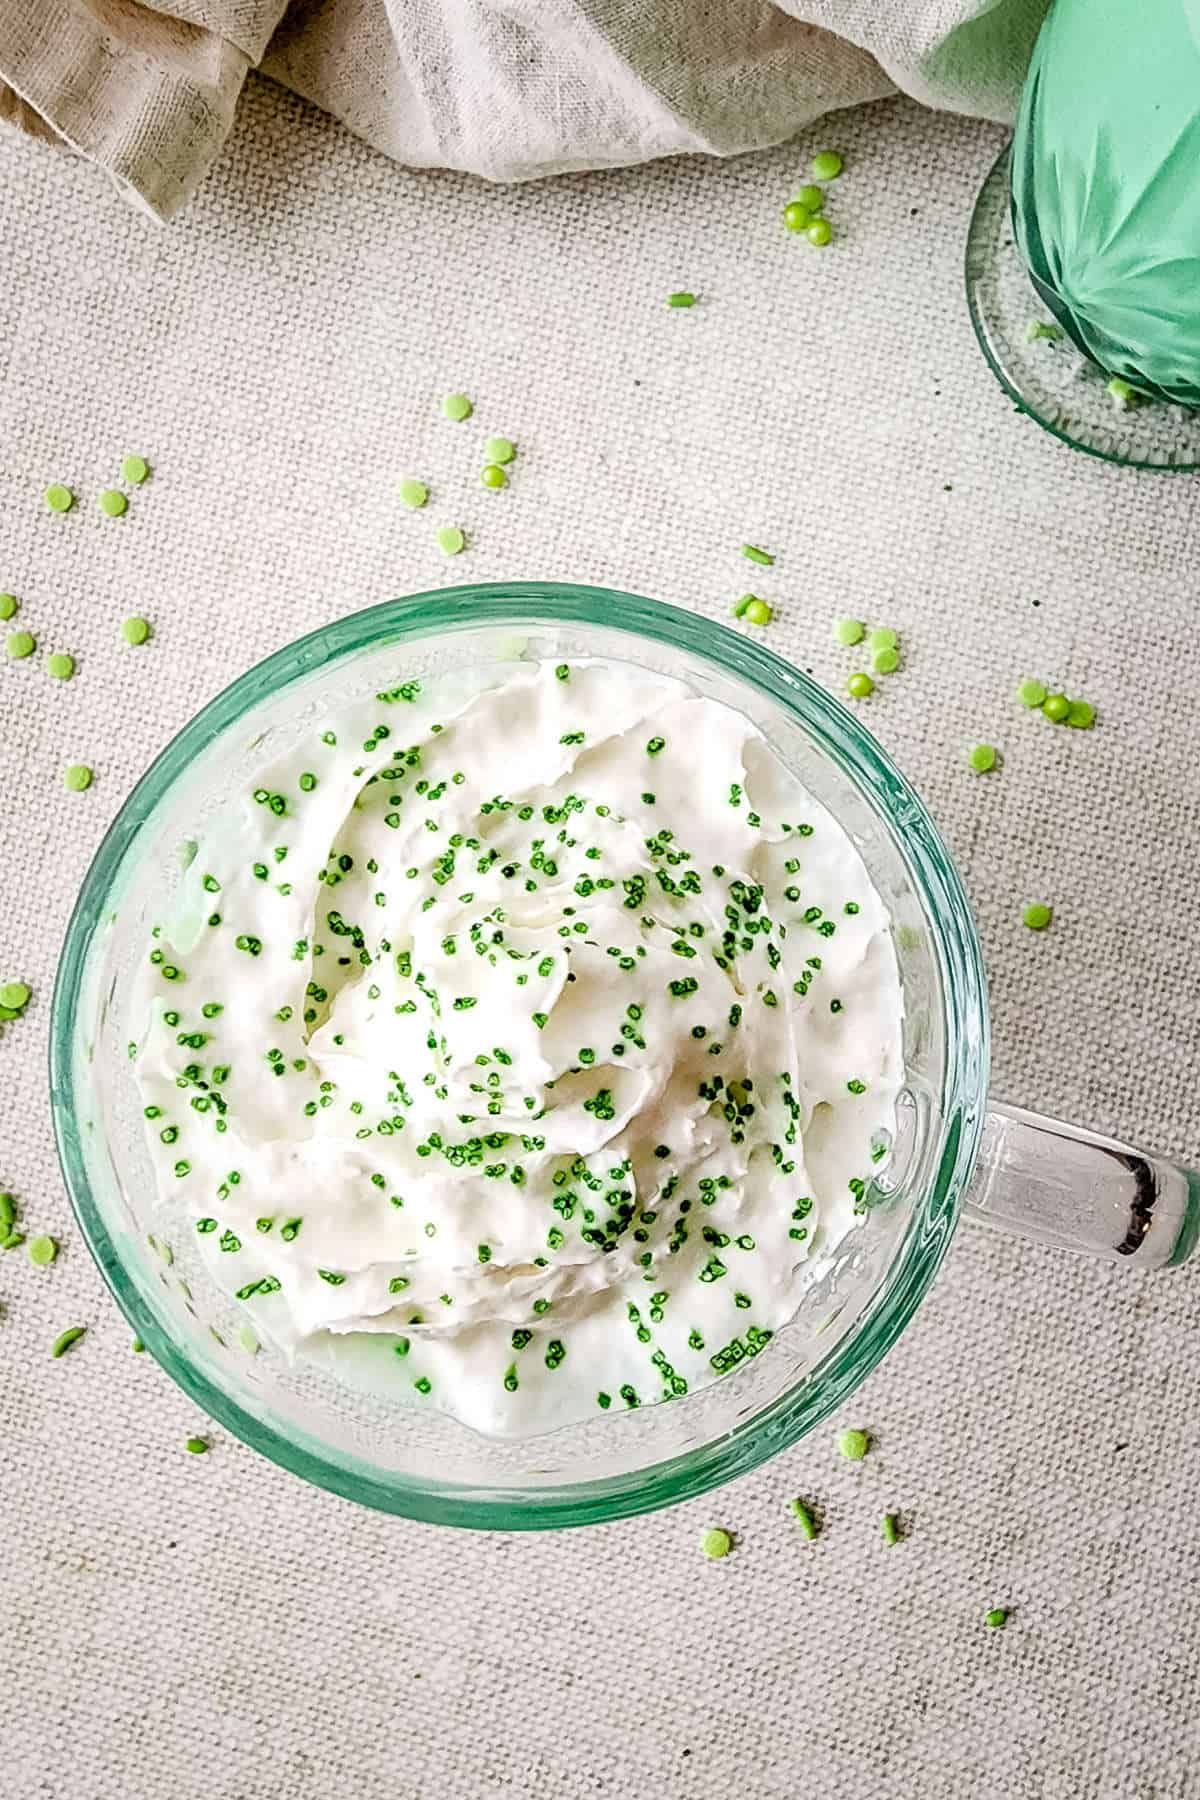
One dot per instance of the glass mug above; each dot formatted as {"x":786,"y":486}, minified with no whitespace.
{"x":954,"y":1152}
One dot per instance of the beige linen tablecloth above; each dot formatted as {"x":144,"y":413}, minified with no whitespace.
{"x":206,"y":1628}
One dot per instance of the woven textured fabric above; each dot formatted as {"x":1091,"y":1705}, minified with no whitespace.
{"x":208,"y":1628}
{"x":508,"y":91}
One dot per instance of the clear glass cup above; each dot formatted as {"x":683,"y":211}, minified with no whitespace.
{"x":950,"y":1154}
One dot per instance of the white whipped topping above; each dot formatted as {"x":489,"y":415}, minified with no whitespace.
{"x":551,"y":1036}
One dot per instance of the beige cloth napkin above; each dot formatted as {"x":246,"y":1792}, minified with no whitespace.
{"x":506,"y":89}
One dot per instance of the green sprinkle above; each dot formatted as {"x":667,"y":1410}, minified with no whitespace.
{"x":77,"y":777}
{"x":890,"y":1527}
{"x":135,"y":630}
{"x":12,"y":1241}
{"x":803,"y":1518}
{"x":42,"y":1251}
{"x":197,"y":1445}
{"x":982,"y":757}
{"x":15,"y":995}
{"x":499,"y":450}
{"x":827,"y":165}
{"x":715,"y":1543}
{"x":682,"y":298}
{"x":812,"y":197}
{"x":819,"y":233}
{"x":1082,"y":715}
{"x":886,"y":661}
{"x":65,"y":1339}
{"x":883,"y":638}
{"x":8,"y":606}
{"x":59,"y":498}
{"x":135,"y":469}
{"x":113,"y":503}
{"x":1037,"y":915}
{"x":60,"y":665}
{"x":996,"y":1617}
{"x":457,"y":407}
{"x":1122,"y":395}
{"x":859,"y":686}
{"x":739,"y":607}
{"x":8,"y":1212}
{"x":796,"y":216}
{"x":1057,"y":708}
{"x":755,"y":555}
{"x":853,"y":1444}
{"x":849,"y":631}
{"x":1031,"y":692}
{"x":756,"y":613}
{"x":1041,"y":328}
{"x":493,"y":476}
{"x":20,"y":643}
{"x":413,"y":493}
{"x":137,"y":1346}
{"x":451,"y":539}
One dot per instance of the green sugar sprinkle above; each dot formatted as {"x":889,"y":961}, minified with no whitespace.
{"x":499,"y":450}
{"x":20,"y":643}
{"x":755,"y":555}
{"x":197,"y":1445}
{"x":493,"y":476}
{"x":8,"y":1212}
{"x":457,"y":407}
{"x":113,"y":503}
{"x":883,"y":638}
{"x":1081,"y":714}
{"x":819,"y":233}
{"x":803,"y":1518}
{"x":859,"y":686}
{"x":853,"y":1444}
{"x":77,"y":777}
{"x":15,"y":995}
{"x":797,"y":216}
{"x":681,"y":298}
{"x":59,"y":498}
{"x":135,"y":630}
{"x":756,"y":613}
{"x":451,"y":539}
{"x":1041,"y":328}
{"x":137,"y":1346}
{"x":982,"y":757}
{"x":1057,"y":708}
{"x":414,"y":493}
{"x":42,"y":1251}
{"x":849,"y":631}
{"x":135,"y":469}
{"x":1037,"y":915}
{"x":827,"y":165}
{"x":65,"y":1339}
{"x":8,"y":606}
{"x":886,"y":661}
{"x":1122,"y":395}
{"x":811,"y":197}
{"x":715,"y":1543}
{"x":890,"y":1526}
{"x":738,"y":609}
{"x":12,"y":1241}
{"x":997,"y":1616}
{"x":1031,"y":692}
{"x":60,"y":665}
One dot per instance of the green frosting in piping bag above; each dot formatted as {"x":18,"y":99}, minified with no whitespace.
{"x":1106,"y":185}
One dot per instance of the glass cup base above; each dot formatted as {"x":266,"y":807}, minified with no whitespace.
{"x":1047,"y":377}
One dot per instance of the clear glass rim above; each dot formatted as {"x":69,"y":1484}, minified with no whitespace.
{"x":524,"y":605}
{"x":1002,"y":370}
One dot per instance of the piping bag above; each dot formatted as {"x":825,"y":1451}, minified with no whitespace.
{"x":1106,"y":186}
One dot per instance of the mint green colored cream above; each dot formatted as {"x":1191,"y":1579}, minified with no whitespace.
{"x":1106,"y":186}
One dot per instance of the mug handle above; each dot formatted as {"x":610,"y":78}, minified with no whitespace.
{"x":1039,"y":1178}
